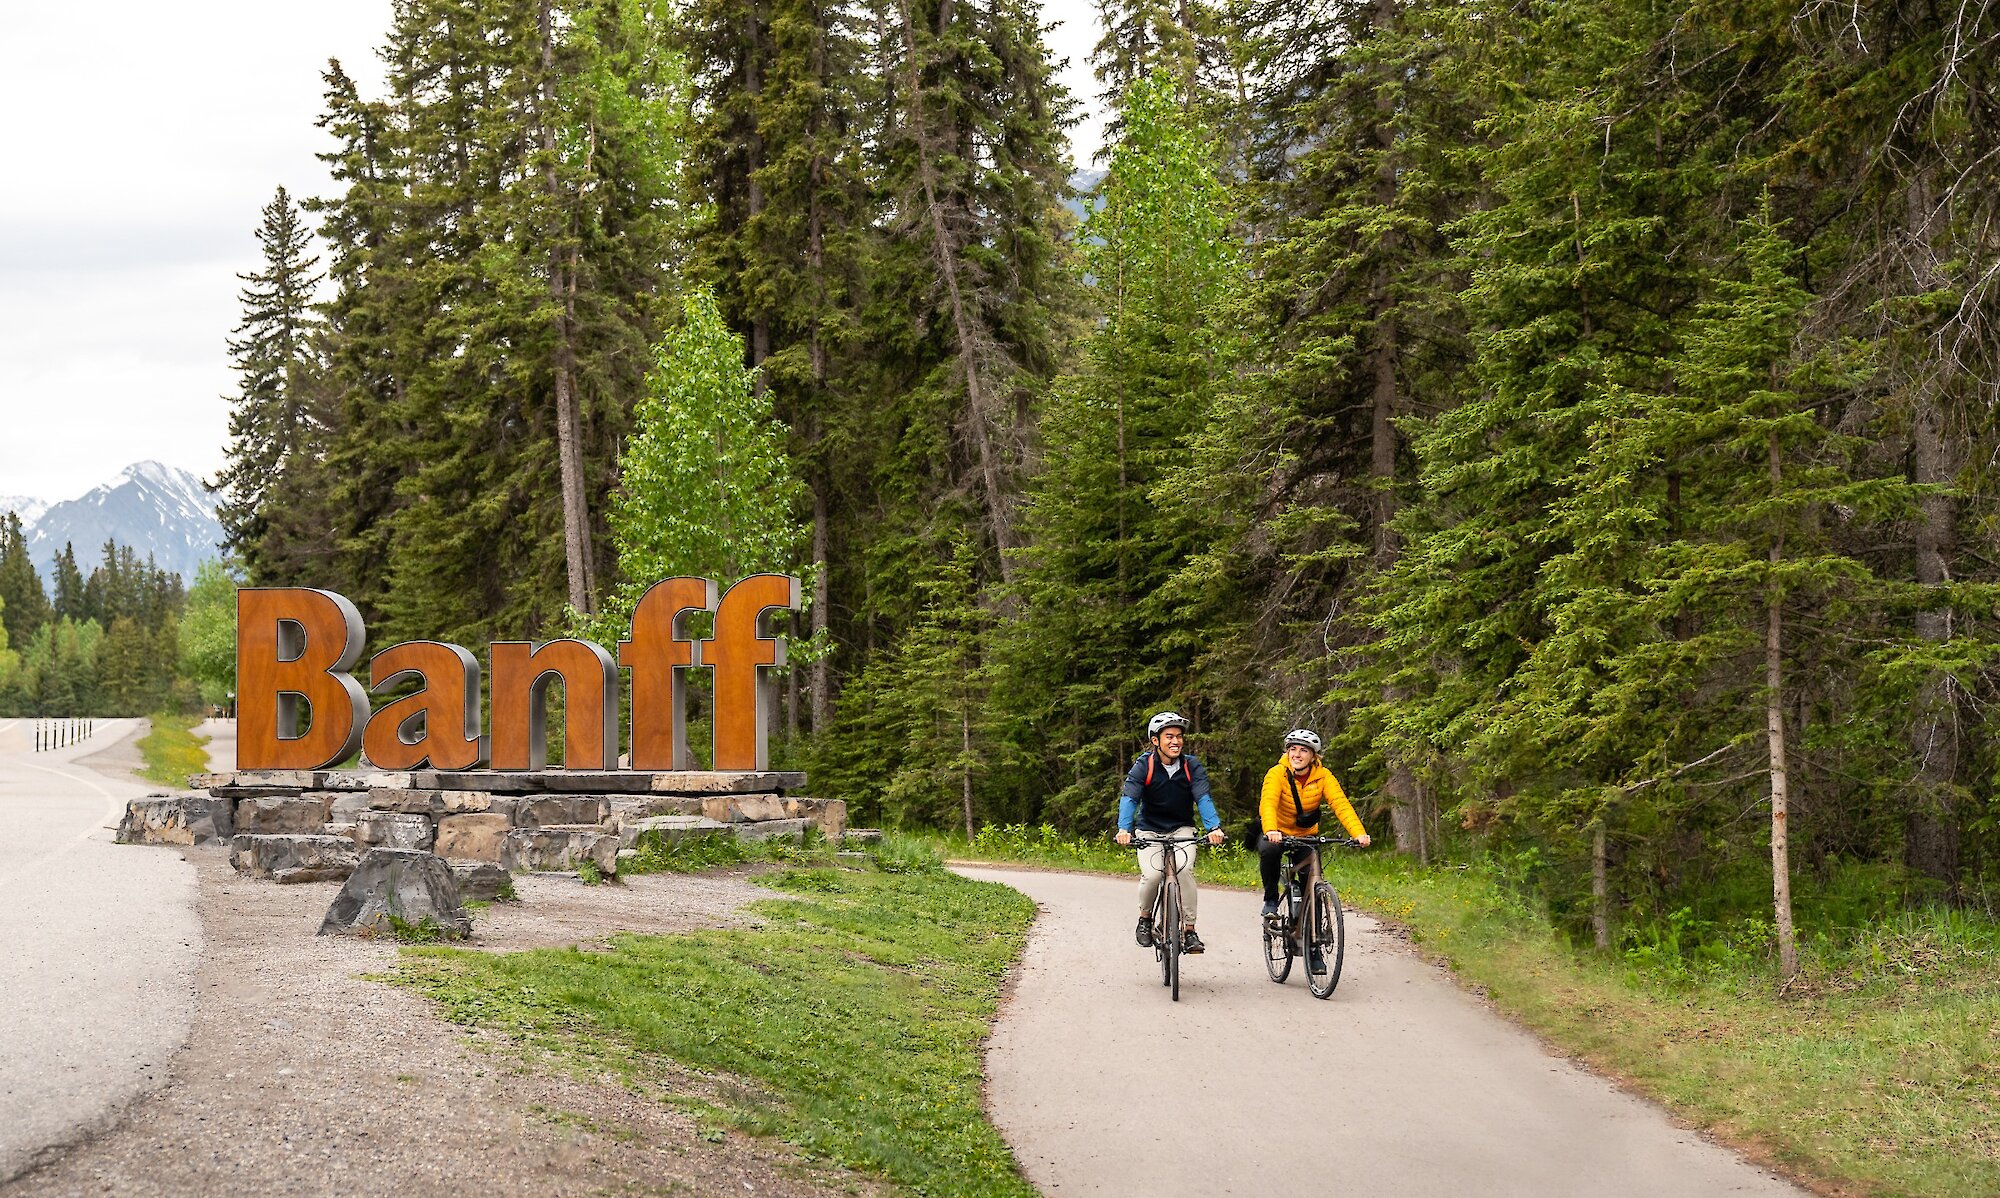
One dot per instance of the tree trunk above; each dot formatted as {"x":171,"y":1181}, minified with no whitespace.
{"x":1600,"y":888}
{"x":577,"y":549}
{"x":965,"y":730}
{"x":822,"y":699}
{"x":969,"y":330}
{"x":1930,"y":845}
{"x":1406,"y":815}
{"x":1774,"y":724}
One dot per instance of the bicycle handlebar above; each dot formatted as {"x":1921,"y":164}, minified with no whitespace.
{"x":1140,"y":842}
{"x":1316,"y":841}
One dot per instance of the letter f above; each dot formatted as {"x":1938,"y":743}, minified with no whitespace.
{"x":739,"y":652}
{"x":659,"y":656}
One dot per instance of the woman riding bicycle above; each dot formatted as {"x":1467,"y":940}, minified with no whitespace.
{"x":1162,"y":791}
{"x":1295,"y":790}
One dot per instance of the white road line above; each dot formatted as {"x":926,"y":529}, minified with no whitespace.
{"x":113,"y":811}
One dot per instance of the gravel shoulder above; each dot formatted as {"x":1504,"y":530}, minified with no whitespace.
{"x":301,"y":1076}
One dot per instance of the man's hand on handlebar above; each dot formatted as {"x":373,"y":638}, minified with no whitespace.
{"x":1124,"y":837}
{"x":1215,"y":836}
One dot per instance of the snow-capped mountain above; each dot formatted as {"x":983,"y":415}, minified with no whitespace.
{"x":28,"y":509}
{"x":153,"y":508}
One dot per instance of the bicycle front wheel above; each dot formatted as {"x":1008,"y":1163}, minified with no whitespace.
{"x":1173,"y":958}
{"x":1329,"y":942}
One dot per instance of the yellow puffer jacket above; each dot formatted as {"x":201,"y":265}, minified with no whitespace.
{"x":1316,"y":788}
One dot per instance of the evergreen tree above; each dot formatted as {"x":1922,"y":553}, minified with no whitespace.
{"x":778,"y":158}
{"x":499,"y":252}
{"x":1099,"y":638}
{"x":274,"y":428}
{"x":24,"y":606}
{"x":68,"y":601}
{"x":972,"y":285}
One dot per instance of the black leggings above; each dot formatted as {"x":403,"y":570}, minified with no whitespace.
{"x":1268,"y":852}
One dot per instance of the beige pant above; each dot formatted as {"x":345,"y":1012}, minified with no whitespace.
{"x":1153,"y":871}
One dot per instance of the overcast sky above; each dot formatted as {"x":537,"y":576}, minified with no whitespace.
{"x":141,"y":139}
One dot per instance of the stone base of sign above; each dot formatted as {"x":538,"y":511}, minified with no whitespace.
{"x":307,"y":825}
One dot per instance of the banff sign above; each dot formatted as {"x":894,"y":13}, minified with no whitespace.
{"x":296,"y":648}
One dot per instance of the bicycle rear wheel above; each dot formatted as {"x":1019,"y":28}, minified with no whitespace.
{"x":1328,"y":933}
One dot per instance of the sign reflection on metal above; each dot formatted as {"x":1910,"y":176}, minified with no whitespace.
{"x":299,"y":706}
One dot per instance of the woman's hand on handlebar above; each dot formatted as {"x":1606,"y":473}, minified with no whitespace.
{"x":1274,"y":836}
{"x":1363,"y":840}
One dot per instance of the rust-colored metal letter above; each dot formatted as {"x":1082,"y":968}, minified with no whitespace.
{"x":439,"y":725}
{"x":521,"y":673}
{"x":294,"y":647}
{"x":741,"y":655}
{"x":659,"y":655}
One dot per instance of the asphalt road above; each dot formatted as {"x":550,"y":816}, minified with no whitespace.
{"x":101,"y":942}
{"x":1398,"y":1086}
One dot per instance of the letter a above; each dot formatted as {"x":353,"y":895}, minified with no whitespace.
{"x":444,"y":715}
{"x":295,"y":646}
{"x":659,"y":656}
{"x":740,"y":655}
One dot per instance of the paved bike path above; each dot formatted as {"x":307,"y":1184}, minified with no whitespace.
{"x":100,"y":946}
{"x":1399,"y":1086}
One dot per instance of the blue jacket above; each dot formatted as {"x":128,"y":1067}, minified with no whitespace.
{"x":1145,"y":773}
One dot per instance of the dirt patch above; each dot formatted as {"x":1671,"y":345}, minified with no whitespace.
{"x":558,"y":910}
{"x":303,"y":1077}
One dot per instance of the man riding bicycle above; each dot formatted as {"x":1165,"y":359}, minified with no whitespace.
{"x":1295,"y":790}
{"x":1162,"y":792}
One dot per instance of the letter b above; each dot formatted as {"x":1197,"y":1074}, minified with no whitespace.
{"x":295,"y":646}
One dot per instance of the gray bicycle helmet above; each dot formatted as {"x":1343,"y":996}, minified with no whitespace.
{"x":1163,"y":721}
{"x":1302,"y":736}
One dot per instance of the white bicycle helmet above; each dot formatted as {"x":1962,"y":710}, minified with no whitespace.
{"x":1163,"y":721}
{"x":1302,"y":736}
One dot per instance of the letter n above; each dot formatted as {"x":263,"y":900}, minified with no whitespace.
{"x":294,"y":648}
{"x":742,"y":655}
{"x":521,"y":674}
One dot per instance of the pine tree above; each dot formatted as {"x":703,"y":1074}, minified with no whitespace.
{"x":274,"y":428}
{"x":1099,"y":638}
{"x":68,"y":601}
{"x":973,"y":301}
{"x":26,"y":605}
{"x":778,"y":158}
{"x":500,"y":252}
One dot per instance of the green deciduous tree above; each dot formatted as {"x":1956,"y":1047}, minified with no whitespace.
{"x":207,"y":634}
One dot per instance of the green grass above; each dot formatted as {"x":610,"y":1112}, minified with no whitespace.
{"x":173,"y":751}
{"x":658,"y":853}
{"x":1878,"y":1073}
{"x":849,"y":1023}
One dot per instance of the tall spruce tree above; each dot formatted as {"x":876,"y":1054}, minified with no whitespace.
{"x":26,"y":603}
{"x":784,"y":93}
{"x":276,"y":427}
{"x":500,"y":252}
{"x":1100,"y":638}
